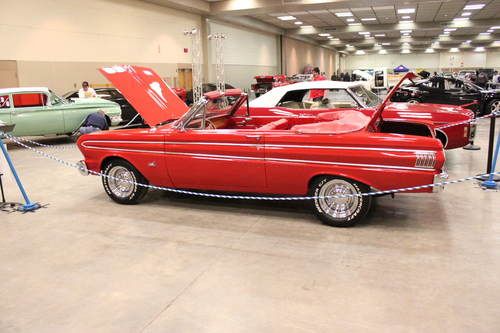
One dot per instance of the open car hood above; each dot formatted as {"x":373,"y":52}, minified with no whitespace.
{"x":377,"y":115}
{"x":147,"y":92}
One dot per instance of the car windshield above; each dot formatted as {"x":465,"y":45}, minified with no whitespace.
{"x":206,"y":108}
{"x":54,"y":99}
{"x":368,"y":98}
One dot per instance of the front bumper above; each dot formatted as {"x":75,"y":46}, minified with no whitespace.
{"x":82,"y":168}
{"x":439,"y":178}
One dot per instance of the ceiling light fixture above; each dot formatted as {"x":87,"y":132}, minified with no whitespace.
{"x":379,"y":35}
{"x":325,"y":34}
{"x":359,"y":52}
{"x":352,"y":24}
{"x":406,"y":17}
{"x":484,"y":33}
{"x":298,"y":23}
{"x":406,"y":10}
{"x":479,"y":49}
{"x":466,"y":13}
{"x":287,"y":18}
{"x":369,"y":19}
{"x":405,"y":51}
{"x":454,"y":49}
{"x":405,"y":22}
{"x":382,"y":51}
{"x":474,"y":7}
{"x":343,"y":14}
{"x":450,"y":29}
{"x":460,"y":19}
{"x":405,"y":31}
{"x":385,"y":44}
{"x":364,"y":32}
{"x":307,"y":26}
{"x":350,"y":20}
{"x":429,"y":50}
{"x":495,"y":27}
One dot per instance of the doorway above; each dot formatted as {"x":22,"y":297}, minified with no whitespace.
{"x":185,"y":78}
{"x":8,"y":74}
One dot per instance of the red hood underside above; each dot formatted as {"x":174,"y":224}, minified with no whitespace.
{"x":147,"y":92}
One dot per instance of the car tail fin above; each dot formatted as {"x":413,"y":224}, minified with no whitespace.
{"x":153,"y":99}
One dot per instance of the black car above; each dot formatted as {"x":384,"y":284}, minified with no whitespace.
{"x":423,"y":92}
{"x":114,"y":95}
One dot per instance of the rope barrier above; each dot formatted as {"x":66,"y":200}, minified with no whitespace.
{"x":248,"y":197}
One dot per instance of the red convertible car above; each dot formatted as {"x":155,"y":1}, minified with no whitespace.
{"x":340,"y":96}
{"x":211,"y":148}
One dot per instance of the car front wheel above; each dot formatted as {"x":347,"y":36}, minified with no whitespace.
{"x":339,"y":211}
{"x":413,"y":101}
{"x":121,"y":182}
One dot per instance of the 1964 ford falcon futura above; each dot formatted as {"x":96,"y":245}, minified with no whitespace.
{"x":210,"y":148}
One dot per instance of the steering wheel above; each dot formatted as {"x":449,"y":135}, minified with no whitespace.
{"x":209,"y":124}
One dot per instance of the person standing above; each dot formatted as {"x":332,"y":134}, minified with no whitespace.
{"x":86,"y":91}
{"x":317,"y":94}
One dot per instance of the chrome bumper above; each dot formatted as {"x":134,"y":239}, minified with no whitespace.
{"x":82,"y":168}
{"x":439,"y":178}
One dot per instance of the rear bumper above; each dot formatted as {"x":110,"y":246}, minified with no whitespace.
{"x":439,"y":178}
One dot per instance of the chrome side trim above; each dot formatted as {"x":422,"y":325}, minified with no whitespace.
{"x":125,"y":149}
{"x":121,"y":141}
{"x":259,"y":145}
{"x":298,"y":146}
{"x":233,"y":157}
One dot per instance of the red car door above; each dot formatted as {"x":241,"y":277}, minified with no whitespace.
{"x":217,"y":159}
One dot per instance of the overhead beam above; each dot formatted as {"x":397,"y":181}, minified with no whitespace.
{"x":412,"y":40}
{"x":252,"y":7}
{"x":398,"y":26}
{"x":194,"y":6}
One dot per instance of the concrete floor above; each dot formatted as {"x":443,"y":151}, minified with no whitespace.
{"x":420,"y":263}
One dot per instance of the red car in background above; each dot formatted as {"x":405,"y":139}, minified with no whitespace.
{"x":210,"y":147}
{"x":268,"y":82}
{"x":341,"y":96}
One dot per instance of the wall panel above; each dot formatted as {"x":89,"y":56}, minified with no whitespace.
{"x":299,"y":54}
{"x":247,"y":53}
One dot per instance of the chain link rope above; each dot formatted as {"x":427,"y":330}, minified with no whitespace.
{"x":248,"y":197}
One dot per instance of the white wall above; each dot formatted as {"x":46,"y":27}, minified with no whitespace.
{"x":59,"y":43}
{"x":300,"y":54}
{"x":97,"y":30}
{"x":246,"y":53}
{"x":429,"y":61}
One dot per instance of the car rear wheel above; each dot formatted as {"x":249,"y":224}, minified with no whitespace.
{"x":494,"y":106}
{"x":120,"y":182}
{"x":339,"y":212}
{"x":413,"y":101}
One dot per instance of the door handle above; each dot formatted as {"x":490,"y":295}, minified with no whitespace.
{"x":256,"y":137}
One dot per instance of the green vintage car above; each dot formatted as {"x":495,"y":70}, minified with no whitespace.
{"x":39,"y":111}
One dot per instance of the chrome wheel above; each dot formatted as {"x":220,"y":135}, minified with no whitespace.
{"x":120,"y":181}
{"x":495,"y":106}
{"x":341,"y":207}
{"x":413,"y":101}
